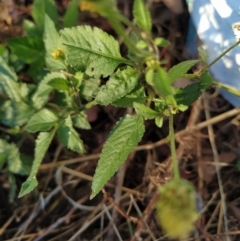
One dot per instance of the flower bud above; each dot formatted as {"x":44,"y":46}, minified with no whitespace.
{"x":176,"y":208}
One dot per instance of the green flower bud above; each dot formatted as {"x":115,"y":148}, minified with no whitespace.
{"x":176,"y":208}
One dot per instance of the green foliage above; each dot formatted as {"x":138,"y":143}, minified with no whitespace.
{"x":29,"y":48}
{"x":52,"y":42}
{"x":76,"y":68}
{"x":92,"y":50}
{"x":41,"y":95}
{"x":144,"y":111}
{"x":71,"y":15}
{"x":120,"y":84}
{"x":42,"y":7}
{"x":121,"y":141}
{"x":88,"y":88}
{"x":42,"y":143}
{"x":69,"y":137}
{"x":161,"y":42}
{"x":186,"y":96}
{"x":180,"y":69}
{"x":142,"y":15}
{"x":42,"y":121}
{"x":15,"y":113}
{"x":162,"y":83}
{"x":80,"y":121}
{"x":203,"y":54}
{"x":136,"y":95}
{"x":9,"y":154}
{"x":59,"y":84}
{"x":206,"y":80}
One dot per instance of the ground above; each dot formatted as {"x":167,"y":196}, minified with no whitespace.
{"x":206,"y":134}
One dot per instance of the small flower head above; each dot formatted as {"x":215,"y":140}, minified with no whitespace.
{"x":58,"y":54}
{"x":236,"y":30}
{"x":176,"y":208}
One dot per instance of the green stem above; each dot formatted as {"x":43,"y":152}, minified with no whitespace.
{"x":223,"y":53}
{"x":173,"y":148}
{"x":191,"y":76}
{"x":90,"y":104}
{"x":117,"y":26}
{"x":226,"y":87}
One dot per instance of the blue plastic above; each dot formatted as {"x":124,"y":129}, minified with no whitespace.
{"x":213,"y":20}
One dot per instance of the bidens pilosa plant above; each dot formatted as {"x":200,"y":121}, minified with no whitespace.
{"x":76,"y":58}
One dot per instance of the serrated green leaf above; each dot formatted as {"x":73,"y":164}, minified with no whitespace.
{"x":59,"y":84}
{"x":88,"y":88}
{"x":81,"y":121}
{"x":42,"y":7}
{"x":15,"y":164}
{"x":13,"y":186}
{"x":92,"y":49}
{"x":136,"y":95}
{"x":8,"y":82}
{"x":203,"y":54}
{"x":135,"y":38}
{"x":28,"y":186}
{"x":71,"y":16}
{"x":52,"y":43}
{"x":159,"y":121}
{"x":161,"y":83}
{"x":69,"y":137}
{"x":42,"y":121}
{"x":205,"y":80}
{"x":41,"y":96}
{"x":15,"y":113}
{"x":10,"y":153}
{"x":42,"y":143}
{"x":28,"y":48}
{"x":180,"y":69}
{"x":188,"y":95}
{"x":120,"y":84}
{"x":26,"y":162}
{"x":144,"y":111}
{"x":121,"y":141}
{"x":77,"y":79}
{"x":142,"y":15}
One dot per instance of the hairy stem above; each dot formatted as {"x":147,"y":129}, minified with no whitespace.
{"x":173,"y":148}
{"x":223,"y":53}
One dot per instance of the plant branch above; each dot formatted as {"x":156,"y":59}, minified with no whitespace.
{"x":173,"y":148}
{"x":227,"y":87}
{"x":223,"y":53}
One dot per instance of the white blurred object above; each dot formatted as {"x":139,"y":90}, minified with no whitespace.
{"x":214,"y":21}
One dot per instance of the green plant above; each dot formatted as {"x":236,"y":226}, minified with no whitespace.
{"x":76,"y":59}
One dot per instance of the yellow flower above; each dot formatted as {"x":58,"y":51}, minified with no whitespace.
{"x":58,"y":54}
{"x":176,"y":209}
